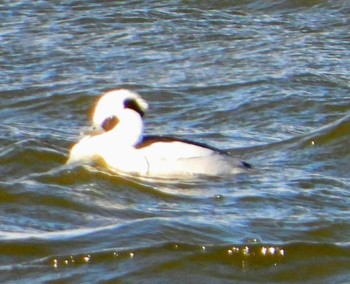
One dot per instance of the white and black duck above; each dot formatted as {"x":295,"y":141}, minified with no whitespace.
{"x":118,"y":140}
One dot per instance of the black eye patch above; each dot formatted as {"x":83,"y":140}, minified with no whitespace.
{"x":132,"y":104}
{"x":109,"y":123}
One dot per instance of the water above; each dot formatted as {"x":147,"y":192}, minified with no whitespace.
{"x":266,"y":80}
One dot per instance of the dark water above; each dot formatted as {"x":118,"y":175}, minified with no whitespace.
{"x":267,"y":80}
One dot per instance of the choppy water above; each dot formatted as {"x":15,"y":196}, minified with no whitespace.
{"x":267,"y":80}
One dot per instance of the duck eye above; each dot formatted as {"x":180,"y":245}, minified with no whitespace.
{"x":109,"y":123}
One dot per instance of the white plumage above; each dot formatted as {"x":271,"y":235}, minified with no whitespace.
{"x":118,"y":140}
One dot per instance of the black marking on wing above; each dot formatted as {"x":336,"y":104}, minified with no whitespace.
{"x":247,"y":165}
{"x":150,"y":139}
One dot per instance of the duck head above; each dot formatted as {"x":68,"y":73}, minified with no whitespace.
{"x":116,"y":124}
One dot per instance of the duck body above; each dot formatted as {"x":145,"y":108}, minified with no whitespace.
{"x":119,"y":142}
{"x":168,"y":155}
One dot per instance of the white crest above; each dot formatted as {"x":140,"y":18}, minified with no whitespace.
{"x":112,"y":103}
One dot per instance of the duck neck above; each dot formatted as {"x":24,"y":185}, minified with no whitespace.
{"x":129,"y":131}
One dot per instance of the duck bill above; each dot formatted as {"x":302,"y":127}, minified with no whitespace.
{"x":92,"y":131}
